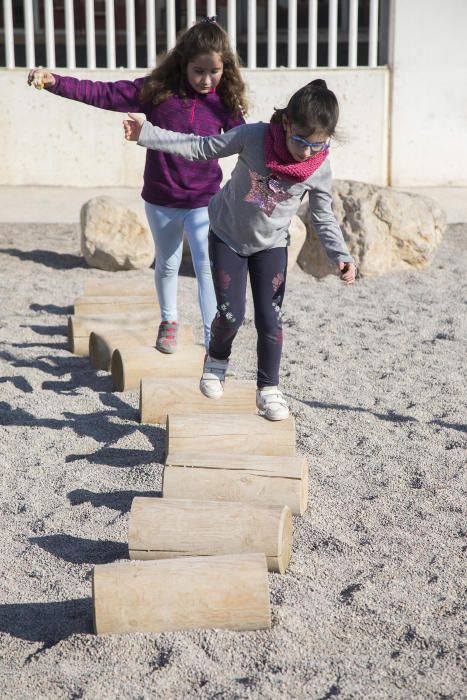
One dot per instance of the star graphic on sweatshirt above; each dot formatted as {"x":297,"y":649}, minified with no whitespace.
{"x":266,"y":192}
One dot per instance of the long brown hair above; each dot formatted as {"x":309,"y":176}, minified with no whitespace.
{"x":169,"y":77}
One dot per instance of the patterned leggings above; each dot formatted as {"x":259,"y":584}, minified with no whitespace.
{"x":267,"y":270}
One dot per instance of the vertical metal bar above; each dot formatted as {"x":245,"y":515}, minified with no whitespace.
{"x":90,"y":35}
{"x":190,"y":13}
{"x":151,"y":33}
{"x":292,"y":34}
{"x":9,"y":34}
{"x":312,"y":33}
{"x":29,"y":34}
{"x":251,"y":34}
{"x":211,"y":8}
{"x":171,"y":32}
{"x":232,"y":23}
{"x":70,"y":34}
{"x":353,"y":33}
{"x":49,"y":33}
{"x":110,"y":34}
{"x":130,"y":34}
{"x":332,"y":34}
{"x":272,"y":33}
{"x":373,"y":35}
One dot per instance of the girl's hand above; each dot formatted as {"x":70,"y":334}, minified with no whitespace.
{"x":132,"y":126}
{"x":348,"y":272}
{"x":40,"y":78}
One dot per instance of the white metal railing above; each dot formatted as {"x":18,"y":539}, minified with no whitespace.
{"x":26,"y":30}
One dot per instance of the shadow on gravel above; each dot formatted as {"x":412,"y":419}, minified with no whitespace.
{"x":48,"y":330}
{"x":19,"y":382}
{"x":100,"y":427}
{"x":48,"y":623}
{"x":79,"y":550}
{"x":452,"y":426}
{"x":50,"y":346}
{"x":119,"y":457}
{"x":390,"y":416}
{"x":49,"y":258}
{"x":117,"y":500}
{"x":53,"y":309}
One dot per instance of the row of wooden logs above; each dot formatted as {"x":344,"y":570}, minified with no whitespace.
{"x":199,"y":555}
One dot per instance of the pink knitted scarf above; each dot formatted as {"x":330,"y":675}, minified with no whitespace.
{"x":281,"y":163}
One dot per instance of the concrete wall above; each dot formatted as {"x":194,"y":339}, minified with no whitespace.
{"x":47,"y":140}
{"x":429,"y":93}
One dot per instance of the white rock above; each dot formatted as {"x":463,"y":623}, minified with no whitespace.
{"x":385,"y":230}
{"x":297,"y":233}
{"x":113,"y":238}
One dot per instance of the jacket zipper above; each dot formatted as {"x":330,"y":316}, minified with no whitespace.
{"x":192,"y":115}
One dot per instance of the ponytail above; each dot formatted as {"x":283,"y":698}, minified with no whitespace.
{"x":313,"y":107}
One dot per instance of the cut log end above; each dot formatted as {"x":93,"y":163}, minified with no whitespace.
{"x":71,"y":339}
{"x":118,"y":371}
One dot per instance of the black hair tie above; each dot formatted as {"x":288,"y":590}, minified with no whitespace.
{"x":212,"y":19}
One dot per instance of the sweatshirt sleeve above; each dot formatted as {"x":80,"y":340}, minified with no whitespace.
{"x":324,"y":221}
{"x":119,"y":96}
{"x":191,"y":146}
{"x":232,"y":122}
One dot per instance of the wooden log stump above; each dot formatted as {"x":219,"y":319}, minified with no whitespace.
{"x":247,"y":478}
{"x":141,"y":287}
{"x":103,"y":343}
{"x":81,"y":327}
{"x":223,"y":592}
{"x":129,"y":366}
{"x":102,"y":305}
{"x":224,"y":433}
{"x":160,"y":397}
{"x":161,"y":528}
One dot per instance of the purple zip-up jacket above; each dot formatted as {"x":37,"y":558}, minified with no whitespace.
{"x":169,"y":181}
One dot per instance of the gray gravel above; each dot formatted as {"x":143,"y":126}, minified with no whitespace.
{"x":371,"y":606}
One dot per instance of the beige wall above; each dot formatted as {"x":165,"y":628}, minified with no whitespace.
{"x":47,"y":140}
{"x":429,"y":93}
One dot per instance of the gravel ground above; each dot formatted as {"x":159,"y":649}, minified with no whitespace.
{"x":371,"y":606}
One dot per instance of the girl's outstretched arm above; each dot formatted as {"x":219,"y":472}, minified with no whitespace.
{"x":189,"y":146}
{"x":119,"y":96}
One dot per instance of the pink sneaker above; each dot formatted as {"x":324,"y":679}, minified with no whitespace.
{"x":167,"y":337}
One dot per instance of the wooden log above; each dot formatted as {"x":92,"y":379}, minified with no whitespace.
{"x":131,"y":365}
{"x":224,"y":592}
{"x":101,"y":305}
{"x":247,"y":478}
{"x":103,"y":343}
{"x":142,"y":287}
{"x":162,"y":528}
{"x":159,"y":397}
{"x":81,"y":327}
{"x":224,"y":433}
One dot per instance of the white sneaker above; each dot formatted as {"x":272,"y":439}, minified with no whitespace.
{"x":271,"y":404}
{"x":212,"y":381}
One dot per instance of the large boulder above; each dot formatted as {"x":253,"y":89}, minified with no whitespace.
{"x":297,"y":233}
{"x":385,"y":230}
{"x":113,"y":238}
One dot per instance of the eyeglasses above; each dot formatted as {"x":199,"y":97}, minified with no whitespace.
{"x":315,"y":147}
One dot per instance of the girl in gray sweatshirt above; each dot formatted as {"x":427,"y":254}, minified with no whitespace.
{"x":278,"y":164}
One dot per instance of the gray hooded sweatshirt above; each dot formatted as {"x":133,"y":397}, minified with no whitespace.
{"x":252,"y":212}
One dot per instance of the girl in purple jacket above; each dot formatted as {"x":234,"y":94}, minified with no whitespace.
{"x":196,"y":89}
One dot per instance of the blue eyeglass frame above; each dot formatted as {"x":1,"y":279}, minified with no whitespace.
{"x":316,"y":147}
